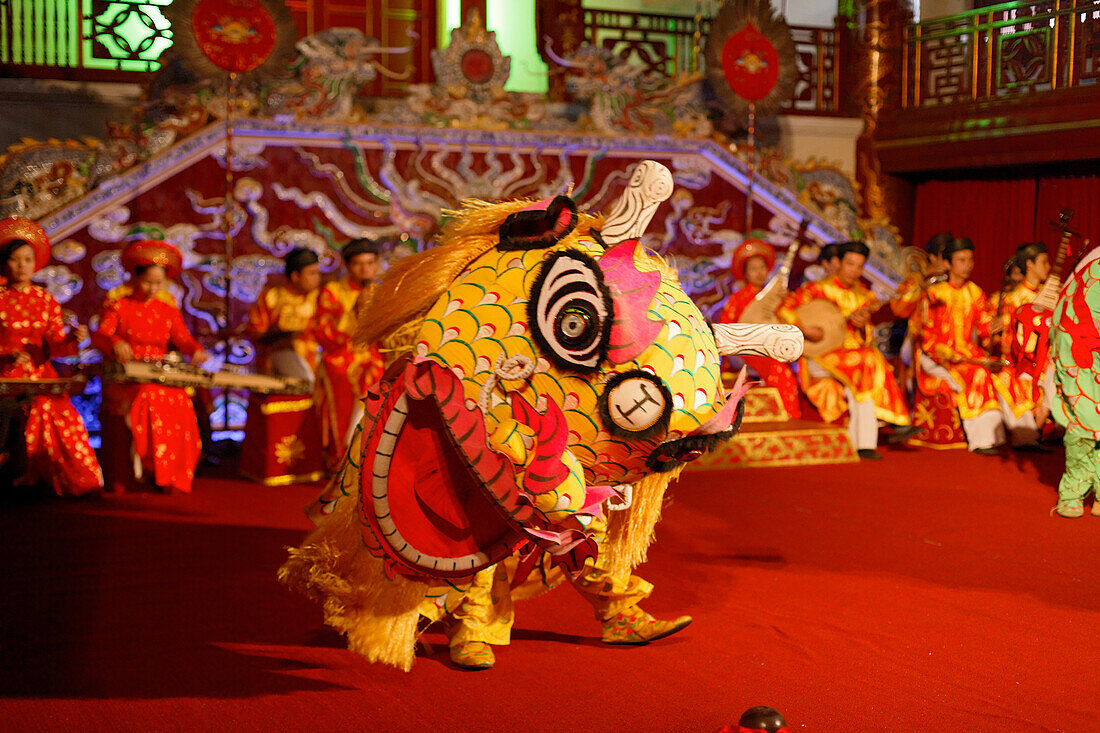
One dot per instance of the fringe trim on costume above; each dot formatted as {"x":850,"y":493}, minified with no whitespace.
{"x":377,"y":614}
{"x":630,"y":532}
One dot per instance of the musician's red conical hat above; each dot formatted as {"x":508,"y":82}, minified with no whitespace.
{"x":747,"y":250}
{"x":153,"y":252}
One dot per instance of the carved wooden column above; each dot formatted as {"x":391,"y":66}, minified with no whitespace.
{"x":563,"y":22}
{"x":876,"y":35}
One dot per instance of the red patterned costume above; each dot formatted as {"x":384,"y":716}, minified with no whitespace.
{"x":161,"y":419}
{"x":775,"y":374}
{"x":30,"y":323}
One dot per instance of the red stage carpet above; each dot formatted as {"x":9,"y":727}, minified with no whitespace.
{"x":931,"y":591}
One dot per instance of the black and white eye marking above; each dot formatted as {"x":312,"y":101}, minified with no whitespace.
{"x":635,"y":405}
{"x":570,"y":312}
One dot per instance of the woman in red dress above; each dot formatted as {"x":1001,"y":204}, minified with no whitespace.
{"x":139,"y":327}
{"x":752,"y":261}
{"x":31,"y":333}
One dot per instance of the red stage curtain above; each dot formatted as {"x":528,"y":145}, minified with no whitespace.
{"x":996,"y":215}
{"x":1080,"y":193}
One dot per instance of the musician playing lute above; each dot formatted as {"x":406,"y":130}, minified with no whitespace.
{"x":989,"y":396}
{"x":854,"y":378}
{"x":31,"y":334}
{"x":752,"y":261}
{"x":161,"y":418}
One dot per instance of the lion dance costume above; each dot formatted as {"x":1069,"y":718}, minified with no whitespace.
{"x":547,"y":372}
{"x":1075,"y":353}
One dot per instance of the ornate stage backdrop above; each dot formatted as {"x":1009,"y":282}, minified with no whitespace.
{"x":312,"y":169}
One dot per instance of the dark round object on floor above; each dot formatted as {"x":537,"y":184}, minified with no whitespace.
{"x":761,"y":718}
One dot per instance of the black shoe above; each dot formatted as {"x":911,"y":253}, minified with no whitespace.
{"x":869,"y":455}
{"x":1031,"y":448}
{"x":903,"y":433}
{"x":986,"y":452}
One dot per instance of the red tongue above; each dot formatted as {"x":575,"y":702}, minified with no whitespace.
{"x":437,"y":504}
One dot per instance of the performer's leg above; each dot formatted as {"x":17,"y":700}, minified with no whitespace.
{"x":484,"y":617}
{"x":615,"y":600}
{"x":1021,"y":430}
{"x":1080,"y":474}
{"x":862,"y":422}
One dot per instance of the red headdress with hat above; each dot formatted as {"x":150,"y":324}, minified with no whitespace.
{"x":153,"y":252}
{"x":18,"y":227}
{"x":748,"y":249}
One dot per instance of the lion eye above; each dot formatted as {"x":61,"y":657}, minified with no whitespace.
{"x":570,"y":309}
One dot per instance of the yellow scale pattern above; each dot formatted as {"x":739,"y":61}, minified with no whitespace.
{"x":485,"y":317}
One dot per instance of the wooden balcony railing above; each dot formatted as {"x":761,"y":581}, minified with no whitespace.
{"x":666,"y":44}
{"x":1002,"y":51}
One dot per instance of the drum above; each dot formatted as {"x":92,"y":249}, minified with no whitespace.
{"x":828,"y":317}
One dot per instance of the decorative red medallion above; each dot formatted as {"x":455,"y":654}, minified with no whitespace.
{"x":477,"y":66}
{"x":750,"y":63}
{"x":237,"y":35}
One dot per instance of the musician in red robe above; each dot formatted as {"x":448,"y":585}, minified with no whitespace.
{"x":140,"y":327}
{"x":989,"y":403}
{"x":1034,"y":259}
{"x":855,"y":378}
{"x":347,"y":369}
{"x":31,"y":333}
{"x":752,"y":261}
{"x":279,"y":321}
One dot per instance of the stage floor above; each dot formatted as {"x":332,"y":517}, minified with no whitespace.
{"x":929,"y":591}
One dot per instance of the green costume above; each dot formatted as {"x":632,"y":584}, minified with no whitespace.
{"x":1075,"y":353}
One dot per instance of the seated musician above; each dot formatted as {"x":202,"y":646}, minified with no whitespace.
{"x":139,"y":327}
{"x":347,"y":370}
{"x":905,"y":304}
{"x":31,"y":333}
{"x":829,"y":259}
{"x":752,"y":261}
{"x":279,"y":321}
{"x":1034,"y":260}
{"x":988,"y":403}
{"x":854,"y":378}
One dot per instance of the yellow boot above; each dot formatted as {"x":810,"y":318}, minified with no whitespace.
{"x":635,"y":626}
{"x":473,"y":655}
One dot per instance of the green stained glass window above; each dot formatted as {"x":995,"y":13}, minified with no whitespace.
{"x":133,"y":34}
{"x":124,"y":35}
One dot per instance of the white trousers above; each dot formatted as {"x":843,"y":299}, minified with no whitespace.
{"x":862,"y":421}
{"x":987,"y":429}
